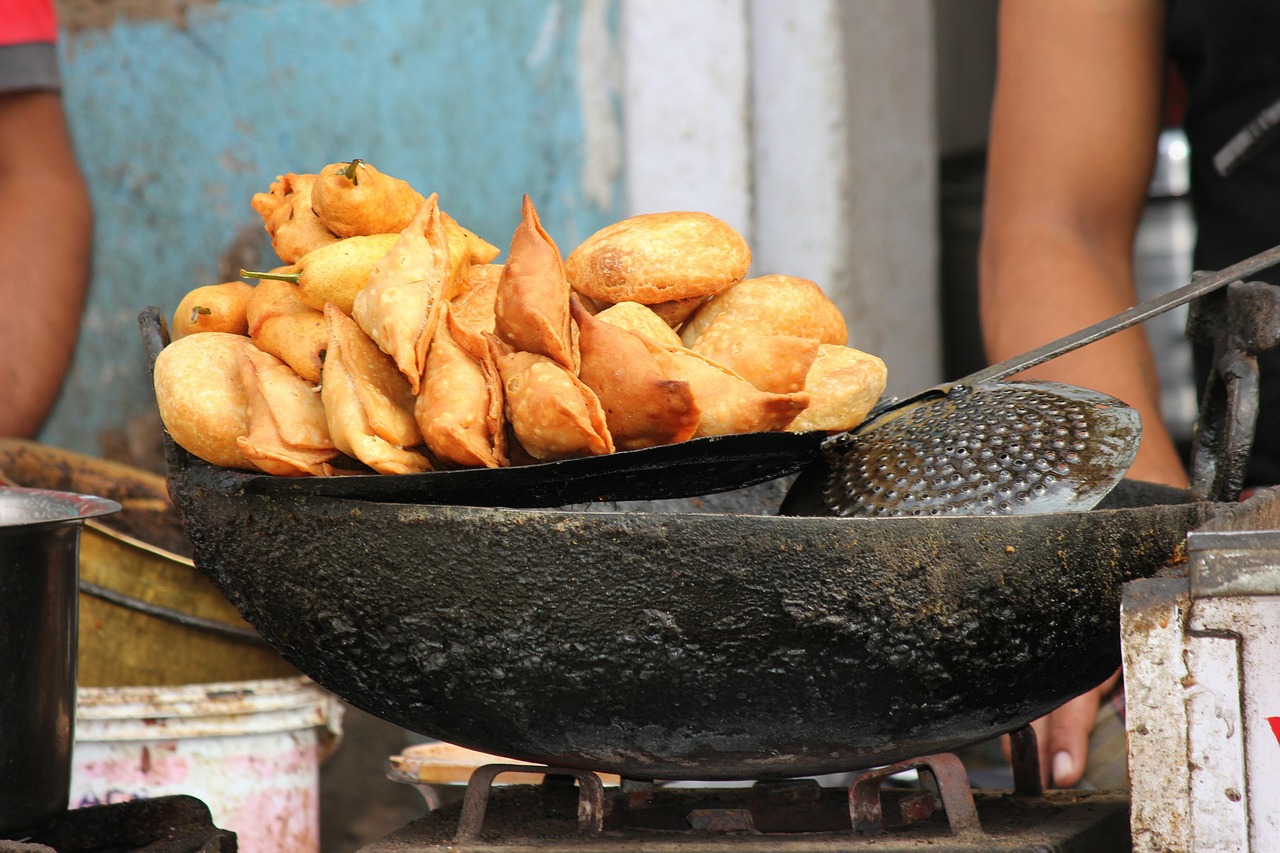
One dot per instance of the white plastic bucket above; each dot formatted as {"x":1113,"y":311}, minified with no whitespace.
{"x":251,"y":750}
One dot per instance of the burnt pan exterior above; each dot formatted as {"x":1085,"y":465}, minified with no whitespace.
{"x":680,"y":645}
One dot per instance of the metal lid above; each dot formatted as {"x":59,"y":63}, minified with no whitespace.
{"x":20,"y":507}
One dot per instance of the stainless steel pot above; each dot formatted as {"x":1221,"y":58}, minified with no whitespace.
{"x":39,"y":567}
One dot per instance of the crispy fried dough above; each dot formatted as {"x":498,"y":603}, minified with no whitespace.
{"x":659,"y":257}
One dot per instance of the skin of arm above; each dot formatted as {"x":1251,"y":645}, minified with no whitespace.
{"x":1074,"y":123}
{"x":46,"y":224}
{"x":1076,"y":115}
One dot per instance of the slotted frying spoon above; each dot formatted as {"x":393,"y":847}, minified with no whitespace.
{"x":979,"y":446}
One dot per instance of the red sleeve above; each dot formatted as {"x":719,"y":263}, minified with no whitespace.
{"x":25,"y":21}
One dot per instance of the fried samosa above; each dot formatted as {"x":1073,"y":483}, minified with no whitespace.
{"x":640,"y":319}
{"x":531,"y":310}
{"x":775,"y":363}
{"x":288,"y":435}
{"x":552,"y":413}
{"x":466,"y":250}
{"x":368,"y":404}
{"x":460,"y":408}
{"x":843,"y":385}
{"x":400,"y":306}
{"x":728,"y":403}
{"x":475,"y":308}
{"x":642,"y":406}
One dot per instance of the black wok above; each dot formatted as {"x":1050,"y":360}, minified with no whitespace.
{"x":677,"y":645}
{"x":681,"y":646}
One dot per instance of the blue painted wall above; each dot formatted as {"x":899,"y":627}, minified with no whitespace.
{"x":178,"y":124}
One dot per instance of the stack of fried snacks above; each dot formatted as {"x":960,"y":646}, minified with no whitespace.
{"x":390,"y":340}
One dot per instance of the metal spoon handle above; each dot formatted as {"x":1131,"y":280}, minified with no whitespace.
{"x":1199,"y":286}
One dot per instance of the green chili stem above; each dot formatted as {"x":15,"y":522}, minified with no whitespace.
{"x":350,"y":172}
{"x":291,"y":277}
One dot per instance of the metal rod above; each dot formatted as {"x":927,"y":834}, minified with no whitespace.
{"x":244,"y":635}
{"x":1200,"y":285}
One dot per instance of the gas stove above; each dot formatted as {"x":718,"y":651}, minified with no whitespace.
{"x":571,"y":810}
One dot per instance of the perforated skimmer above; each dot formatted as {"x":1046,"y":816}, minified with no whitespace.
{"x":978,"y":446}
{"x":988,"y":449}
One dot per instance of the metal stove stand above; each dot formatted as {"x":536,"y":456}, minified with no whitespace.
{"x":572,"y":811}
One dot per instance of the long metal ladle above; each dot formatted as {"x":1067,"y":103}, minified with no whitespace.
{"x":980,"y":446}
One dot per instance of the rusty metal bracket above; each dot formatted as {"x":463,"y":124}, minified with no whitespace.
{"x":475,"y":801}
{"x":723,"y":821}
{"x":1239,"y":323}
{"x":866,"y":812}
{"x":1024,"y":761}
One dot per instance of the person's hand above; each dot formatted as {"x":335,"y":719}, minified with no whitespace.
{"x":1063,"y":736}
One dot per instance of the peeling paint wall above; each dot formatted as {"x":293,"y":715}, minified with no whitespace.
{"x":182,"y":110}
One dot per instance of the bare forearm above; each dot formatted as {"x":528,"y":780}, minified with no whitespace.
{"x":45,"y":232}
{"x":1072,"y":141}
{"x":1046,"y":287}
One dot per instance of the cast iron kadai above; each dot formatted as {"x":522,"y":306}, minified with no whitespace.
{"x":977,"y":446}
{"x":663,"y":645}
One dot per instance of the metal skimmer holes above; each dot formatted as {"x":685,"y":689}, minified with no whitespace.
{"x":971,"y":453}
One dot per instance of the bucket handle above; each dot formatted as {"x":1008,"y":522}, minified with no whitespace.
{"x":246,"y":635}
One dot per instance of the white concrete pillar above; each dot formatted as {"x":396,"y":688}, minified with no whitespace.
{"x":810,"y":127}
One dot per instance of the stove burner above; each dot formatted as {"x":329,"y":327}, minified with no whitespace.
{"x":792,"y":816}
{"x":171,"y":824}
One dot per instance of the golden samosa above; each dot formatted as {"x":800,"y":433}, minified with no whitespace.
{"x":368,"y":404}
{"x":459,"y":410}
{"x":531,"y":310}
{"x":400,"y":306}
{"x":354,"y":199}
{"x":466,"y":249}
{"x":774,"y":363}
{"x":642,"y":406}
{"x":843,"y":385}
{"x":282,"y":325}
{"x":552,"y":413}
{"x":288,"y":435}
{"x":475,"y":308}
{"x":640,"y":319}
{"x":728,"y":403}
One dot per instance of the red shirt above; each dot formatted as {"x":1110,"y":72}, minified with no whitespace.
{"x":25,"y":21}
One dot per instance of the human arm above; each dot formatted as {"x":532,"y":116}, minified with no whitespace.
{"x":1074,"y":125}
{"x":45,"y":233}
